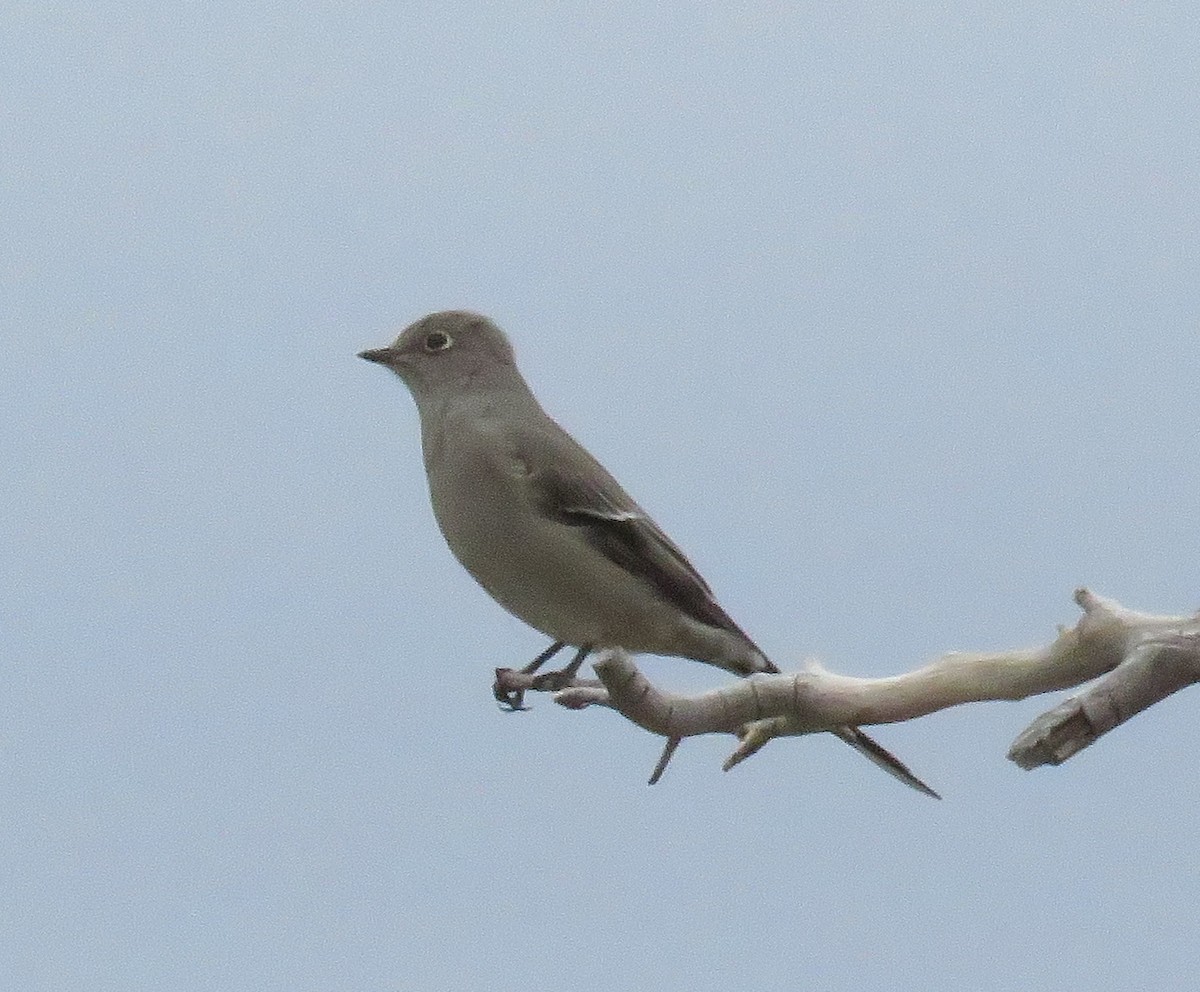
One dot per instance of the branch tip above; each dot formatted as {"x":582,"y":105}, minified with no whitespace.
{"x":754,"y":736}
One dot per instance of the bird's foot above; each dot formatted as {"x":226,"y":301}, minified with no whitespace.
{"x":564,"y":677}
{"x":509,"y":689}
{"x":553,"y":681}
{"x":511,"y":684}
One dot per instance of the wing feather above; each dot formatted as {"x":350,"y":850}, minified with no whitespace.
{"x":578,"y":491}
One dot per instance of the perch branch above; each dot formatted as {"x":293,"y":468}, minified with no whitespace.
{"x":1138,"y":659}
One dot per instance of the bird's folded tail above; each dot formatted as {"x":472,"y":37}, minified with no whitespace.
{"x":884,"y":758}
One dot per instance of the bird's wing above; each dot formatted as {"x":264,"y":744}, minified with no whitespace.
{"x":572,"y":488}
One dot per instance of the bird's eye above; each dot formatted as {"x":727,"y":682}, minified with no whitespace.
{"x":437,"y":341}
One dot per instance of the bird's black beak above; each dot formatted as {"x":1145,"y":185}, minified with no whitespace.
{"x":384,"y":356}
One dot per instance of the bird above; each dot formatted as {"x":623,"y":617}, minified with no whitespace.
{"x":546,"y":530}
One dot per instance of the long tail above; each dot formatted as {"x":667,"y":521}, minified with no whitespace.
{"x":884,"y":758}
{"x":758,"y":662}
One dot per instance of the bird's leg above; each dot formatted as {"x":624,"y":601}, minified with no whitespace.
{"x":515,"y":699}
{"x":542,"y":658}
{"x":553,"y":681}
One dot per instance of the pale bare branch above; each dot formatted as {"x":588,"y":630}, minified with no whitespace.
{"x":1138,"y":659}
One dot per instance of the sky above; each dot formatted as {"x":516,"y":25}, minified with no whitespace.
{"x":887,"y":313}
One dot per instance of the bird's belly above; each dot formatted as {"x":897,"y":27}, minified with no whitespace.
{"x":545,"y":574}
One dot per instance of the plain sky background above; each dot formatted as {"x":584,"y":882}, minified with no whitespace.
{"x":889,"y":313}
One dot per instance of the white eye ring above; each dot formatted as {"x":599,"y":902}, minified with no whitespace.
{"x":436,"y":341}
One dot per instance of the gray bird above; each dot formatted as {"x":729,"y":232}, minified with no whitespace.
{"x":544,"y":528}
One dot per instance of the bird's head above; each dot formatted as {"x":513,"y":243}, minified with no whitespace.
{"x":450,"y":348}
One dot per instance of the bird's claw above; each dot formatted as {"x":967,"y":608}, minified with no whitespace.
{"x":510,"y":700}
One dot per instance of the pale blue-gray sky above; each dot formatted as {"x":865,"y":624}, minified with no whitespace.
{"x":888,"y":313}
